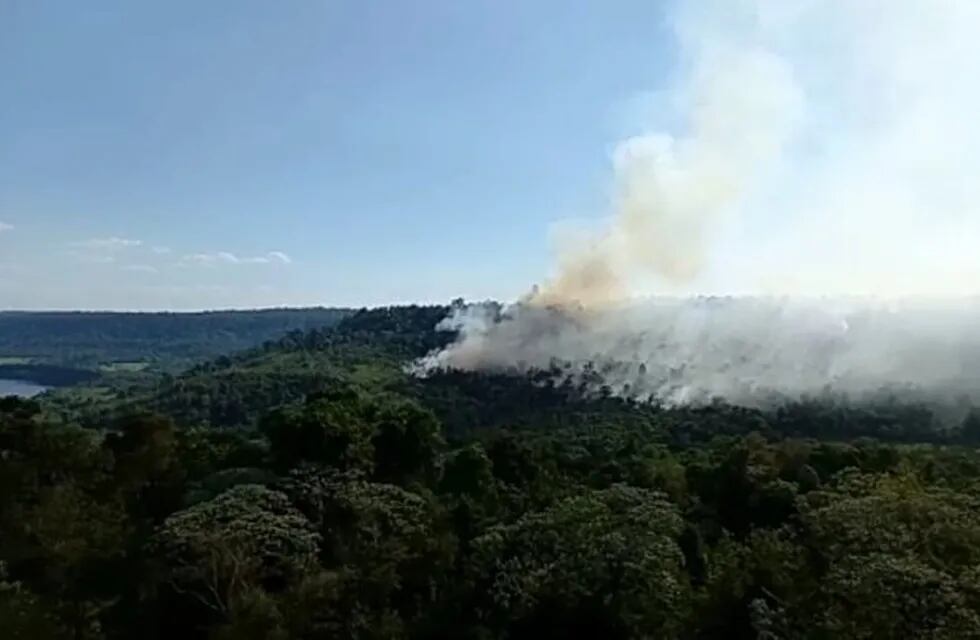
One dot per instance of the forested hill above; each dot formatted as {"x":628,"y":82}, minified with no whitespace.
{"x":310,"y":488}
{"x":91,"y":339}
{"x":370,"y":349}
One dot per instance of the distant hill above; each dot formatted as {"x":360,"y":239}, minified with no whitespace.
{"x":368,"y":347}
{"x":117,"y":341}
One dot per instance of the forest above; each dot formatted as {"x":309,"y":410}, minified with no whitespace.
{"x":88,"y":340}
{"x":308,"y":486}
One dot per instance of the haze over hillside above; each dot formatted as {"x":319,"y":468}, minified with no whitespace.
{"x":746,"y":350}
{"x":843,"y":211}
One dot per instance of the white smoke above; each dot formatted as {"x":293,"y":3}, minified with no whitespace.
{"x":742,"y":105}
{"x":829,"y":149}
{"x":744,"y":350}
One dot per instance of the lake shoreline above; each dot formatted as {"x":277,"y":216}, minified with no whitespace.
{"x":21,"y":388}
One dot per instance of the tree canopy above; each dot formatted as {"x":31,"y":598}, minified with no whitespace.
{"x":310,"y":488}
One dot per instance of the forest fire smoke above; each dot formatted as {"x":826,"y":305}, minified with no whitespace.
{"x":824,"y":169}
{"x":669,"y":190}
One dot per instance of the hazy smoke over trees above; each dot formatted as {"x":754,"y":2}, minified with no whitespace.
{"x":825,"y":166}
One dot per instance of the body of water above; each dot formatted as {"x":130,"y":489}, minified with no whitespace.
{"x":20,"y":388}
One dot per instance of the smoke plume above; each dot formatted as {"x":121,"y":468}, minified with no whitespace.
{"x":820,"y":161}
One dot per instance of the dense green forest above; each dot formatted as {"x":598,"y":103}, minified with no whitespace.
{"x":309,"y":487}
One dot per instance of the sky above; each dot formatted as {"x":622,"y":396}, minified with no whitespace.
{"x":189,"y":155}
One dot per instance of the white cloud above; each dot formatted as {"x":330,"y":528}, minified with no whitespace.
{"x":279,"y":256}
{"x":101,"y":250}
{"x":112,"y":242}
{"x":140,"y":268}
{"x":6,"y":227}
{"x":211,"y":258}
{"x":92,"y":258}
{"x":226,"y":257}
{"x":161,"y":251}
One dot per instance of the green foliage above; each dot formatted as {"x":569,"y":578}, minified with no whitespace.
{"x":388,"y":550}
{"x":22,"y":614}
{"x":612,"y":551}
{"x":866,"y":514}
{"x":333,"y":430}
{"x":309,"y":488}
{"x":407,"y":441}
{"x":222,"y":550}
{"x":884,"y":596}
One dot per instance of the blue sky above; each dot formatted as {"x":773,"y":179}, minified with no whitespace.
{"x":180,"y":155}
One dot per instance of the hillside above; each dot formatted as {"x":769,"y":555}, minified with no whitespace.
{"x":371,"y":348}
{"x":128,"y":342}
{"x":368,"y":347}
{"x":311,"y":488}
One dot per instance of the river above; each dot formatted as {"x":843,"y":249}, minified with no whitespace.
{"x":20,"y":388}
